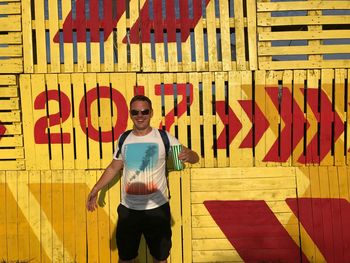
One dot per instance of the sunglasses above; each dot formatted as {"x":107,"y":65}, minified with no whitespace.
{"x":136,"y":112}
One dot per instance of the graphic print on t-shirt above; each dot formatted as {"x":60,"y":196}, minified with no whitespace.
{"x":140,"y":160}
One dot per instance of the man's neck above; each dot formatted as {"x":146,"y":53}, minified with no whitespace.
{"x":142,"y":132}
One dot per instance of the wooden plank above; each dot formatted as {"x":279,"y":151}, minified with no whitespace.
{"x":182,"y":98}
{"x":347,"y":119}
{"x":28,"y":62}
{"x":301,"y":50}
{"x":297,"y":5}
{"x":13,"y":129}
{"x":195,"y":118}
{"x":264,"y":31}
{"x":186,"y":215}
{"x":12,"y":165}
{"x":158,"y":34}
{"x":10,"y":104}
{"x":211,"y":37}
{"x":79,"y":136}
{"x":277,"y":65}
{"x":340,"y":109}
{"x":11,"y":51}
{"x":225,"y":36}
{"x":16,"y":153}
{"x":68,"y":47}
{"x":64,"y":81}
{"x":53,"y":28}
{"x":11,"y":65}
{"x":10,"y":23}
{"x":199,"y":46}
{"x":308,"y":35}
{"x":252,"y":36}
{"x":92,"y":121}
{"x":9,"y":92}
{"x":239,"y":35}
{"x":3,"y":229}
{"x":208,"y":120}
{"x":185,"y":21}
{"x":11,"y":198}
{"x":12,"y":116}
{"x":10,"y":9}
{"x":220,"y":97}
{"x":8,"y":79}
{"x":121,"y":47}
{"x":134,"y":64}
{"x":14,"y":141}
{"x":304,"y":20}
{"x":40,"y":38}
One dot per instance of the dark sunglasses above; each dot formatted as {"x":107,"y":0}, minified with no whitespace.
{"x":136,"y":112}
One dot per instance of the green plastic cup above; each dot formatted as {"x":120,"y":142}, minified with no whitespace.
{"x":175,"y":150}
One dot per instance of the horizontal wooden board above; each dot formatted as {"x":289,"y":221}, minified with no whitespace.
{"x":17,"y":153}
{"x":10,"y":23}
{"x":301,"y":5}
{"x":10,"y":9}
{"x":9,"y":165}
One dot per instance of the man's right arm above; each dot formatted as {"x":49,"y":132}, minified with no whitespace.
{"x":111,"y":171}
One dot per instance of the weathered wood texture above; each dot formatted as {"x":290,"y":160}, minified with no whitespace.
{"x":11,"y":60}
{"x":269,"y":118}
{"x":11,"y":135}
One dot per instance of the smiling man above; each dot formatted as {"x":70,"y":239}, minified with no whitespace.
{"x":144,"y":207}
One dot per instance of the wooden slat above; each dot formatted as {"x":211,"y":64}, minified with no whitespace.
{"x":300,"y":5}
{"x":186,"y":216}
{"x":211,"y":37}
{"x":40,"y":38}
{"x":239,"y":33}
{"x":304,"y":20}
{"x":68,"y":47}
{"x":278,"y":65}
{"x":11,"y":51}
{"x":53,"y":28}
{"x":225,"y":36}
{"x":135,"y":62}
{"x":308,"y":35}
{"x":10,"y":9}
{"x":300,"y":50}
{"x":16,"y":153}
{"x":199,"y":40}
{"x":121,"y":47}
{"x":10,"y":23}
{"x":252,"y":36}
{"x":11,"y":65}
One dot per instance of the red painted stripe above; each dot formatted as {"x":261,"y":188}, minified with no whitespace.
{"x":326,"y":220}
{"x":2,"y":130}
{"x":254,"y":231}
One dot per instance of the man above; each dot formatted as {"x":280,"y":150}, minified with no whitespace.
{"x":144,"y":207}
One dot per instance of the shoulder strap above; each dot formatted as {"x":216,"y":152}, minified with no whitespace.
{"x":166,"y":141}
{"x":121,"y":141}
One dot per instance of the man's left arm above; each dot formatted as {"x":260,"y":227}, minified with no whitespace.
{"x":187,"y":155}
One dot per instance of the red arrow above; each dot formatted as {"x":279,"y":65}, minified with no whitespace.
{"x":326,"y":220}
{"x":292,"y":133}
{"x":258,"y":120}
{"x":147,"y":21}
{"x":321,"y":144}
{"x":231,"y":120}
{"x":254,"y":231}
{"x":2,"y":130}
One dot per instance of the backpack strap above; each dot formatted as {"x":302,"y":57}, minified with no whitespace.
{"x":166,"y":141}
{"x":121,"y":141}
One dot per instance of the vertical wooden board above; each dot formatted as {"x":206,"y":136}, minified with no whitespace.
{"x":343,"y":182}
{"x":168,"y":82}
{"x":34,"y":215}
{"x":339,"y":107}
{"x":199,"y":47}
{"x":181,"y":79}
{"x":312,"y":156}
{"x":185,"y":29}
{"x":93,"y":120}
{"x":195,"y":118}
{"x":54,"y":109}
{"x":40,"y":116}
{"x":95,"y":57}
{"x":211,"y":32}
{"x":186,"y":55}
{"x":46,"y":205}
{"x":3,"y":229}
{"x":108,"y":48}
{"x":40,"y":37}
{"x":326,"y":141}
{"x":260,"y":101}
{"x":299,"y":77}
{"x":252,"y":34}
{"x":92,"y":223}
{"x":58,"y":211}
{"x":235,"y":93}
{"x":186,"y":216}
{"x":158,"y":37}
{"x":82,"y":58}
{"x":28,"y":121}
{"x":173,"y":63}
{"x":225,"y":36}
{"x":273,"y":117}
{"x":287,"y":81}
{"x":208,"y":120}
{"x":261,"y":30}
{"x":239,"y":33}
{"x":175,"y":205}
{"x":121,"y":47}
{"x":80,"y":231}
{"x":220,"y":97}
{"x":315,"y":43}
{"x":27,"y":38}
{"x":80,"y":137}
{"x":11,"y":198}
{"x":69,"y":213}
{"x":347,"y":75}
{"x":134,"y":48}
{"x":68,"y":47}
{"x":53,"y":28}
{"x":64,"y":81}
{"x":23,"y":224}
{"x":103,"y":220}
{"x":105,"y":119}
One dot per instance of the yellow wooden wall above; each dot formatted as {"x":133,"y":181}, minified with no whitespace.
{"x":260,"y":92}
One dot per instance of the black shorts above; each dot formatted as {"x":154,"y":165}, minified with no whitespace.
{"x":154,"y":224}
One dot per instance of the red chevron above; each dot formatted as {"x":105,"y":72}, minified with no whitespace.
{"x":231,"y":120}
{"x":143,"y":26}
{"x":258,"y":120}
{"x":2,"y":130}
{"x":292,"y":133}
{"x":321,"y":144}
{"x":326,"y":220}
{"x":254,"y":231}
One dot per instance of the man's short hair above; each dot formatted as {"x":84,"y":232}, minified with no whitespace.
{"x":141,"y":98}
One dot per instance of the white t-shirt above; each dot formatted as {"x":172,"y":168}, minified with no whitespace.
{"x":144,"y":184}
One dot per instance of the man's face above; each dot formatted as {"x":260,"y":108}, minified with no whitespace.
{"x":141,"y":114}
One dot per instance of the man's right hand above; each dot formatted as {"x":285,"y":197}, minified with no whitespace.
{"x":91,"y":203}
